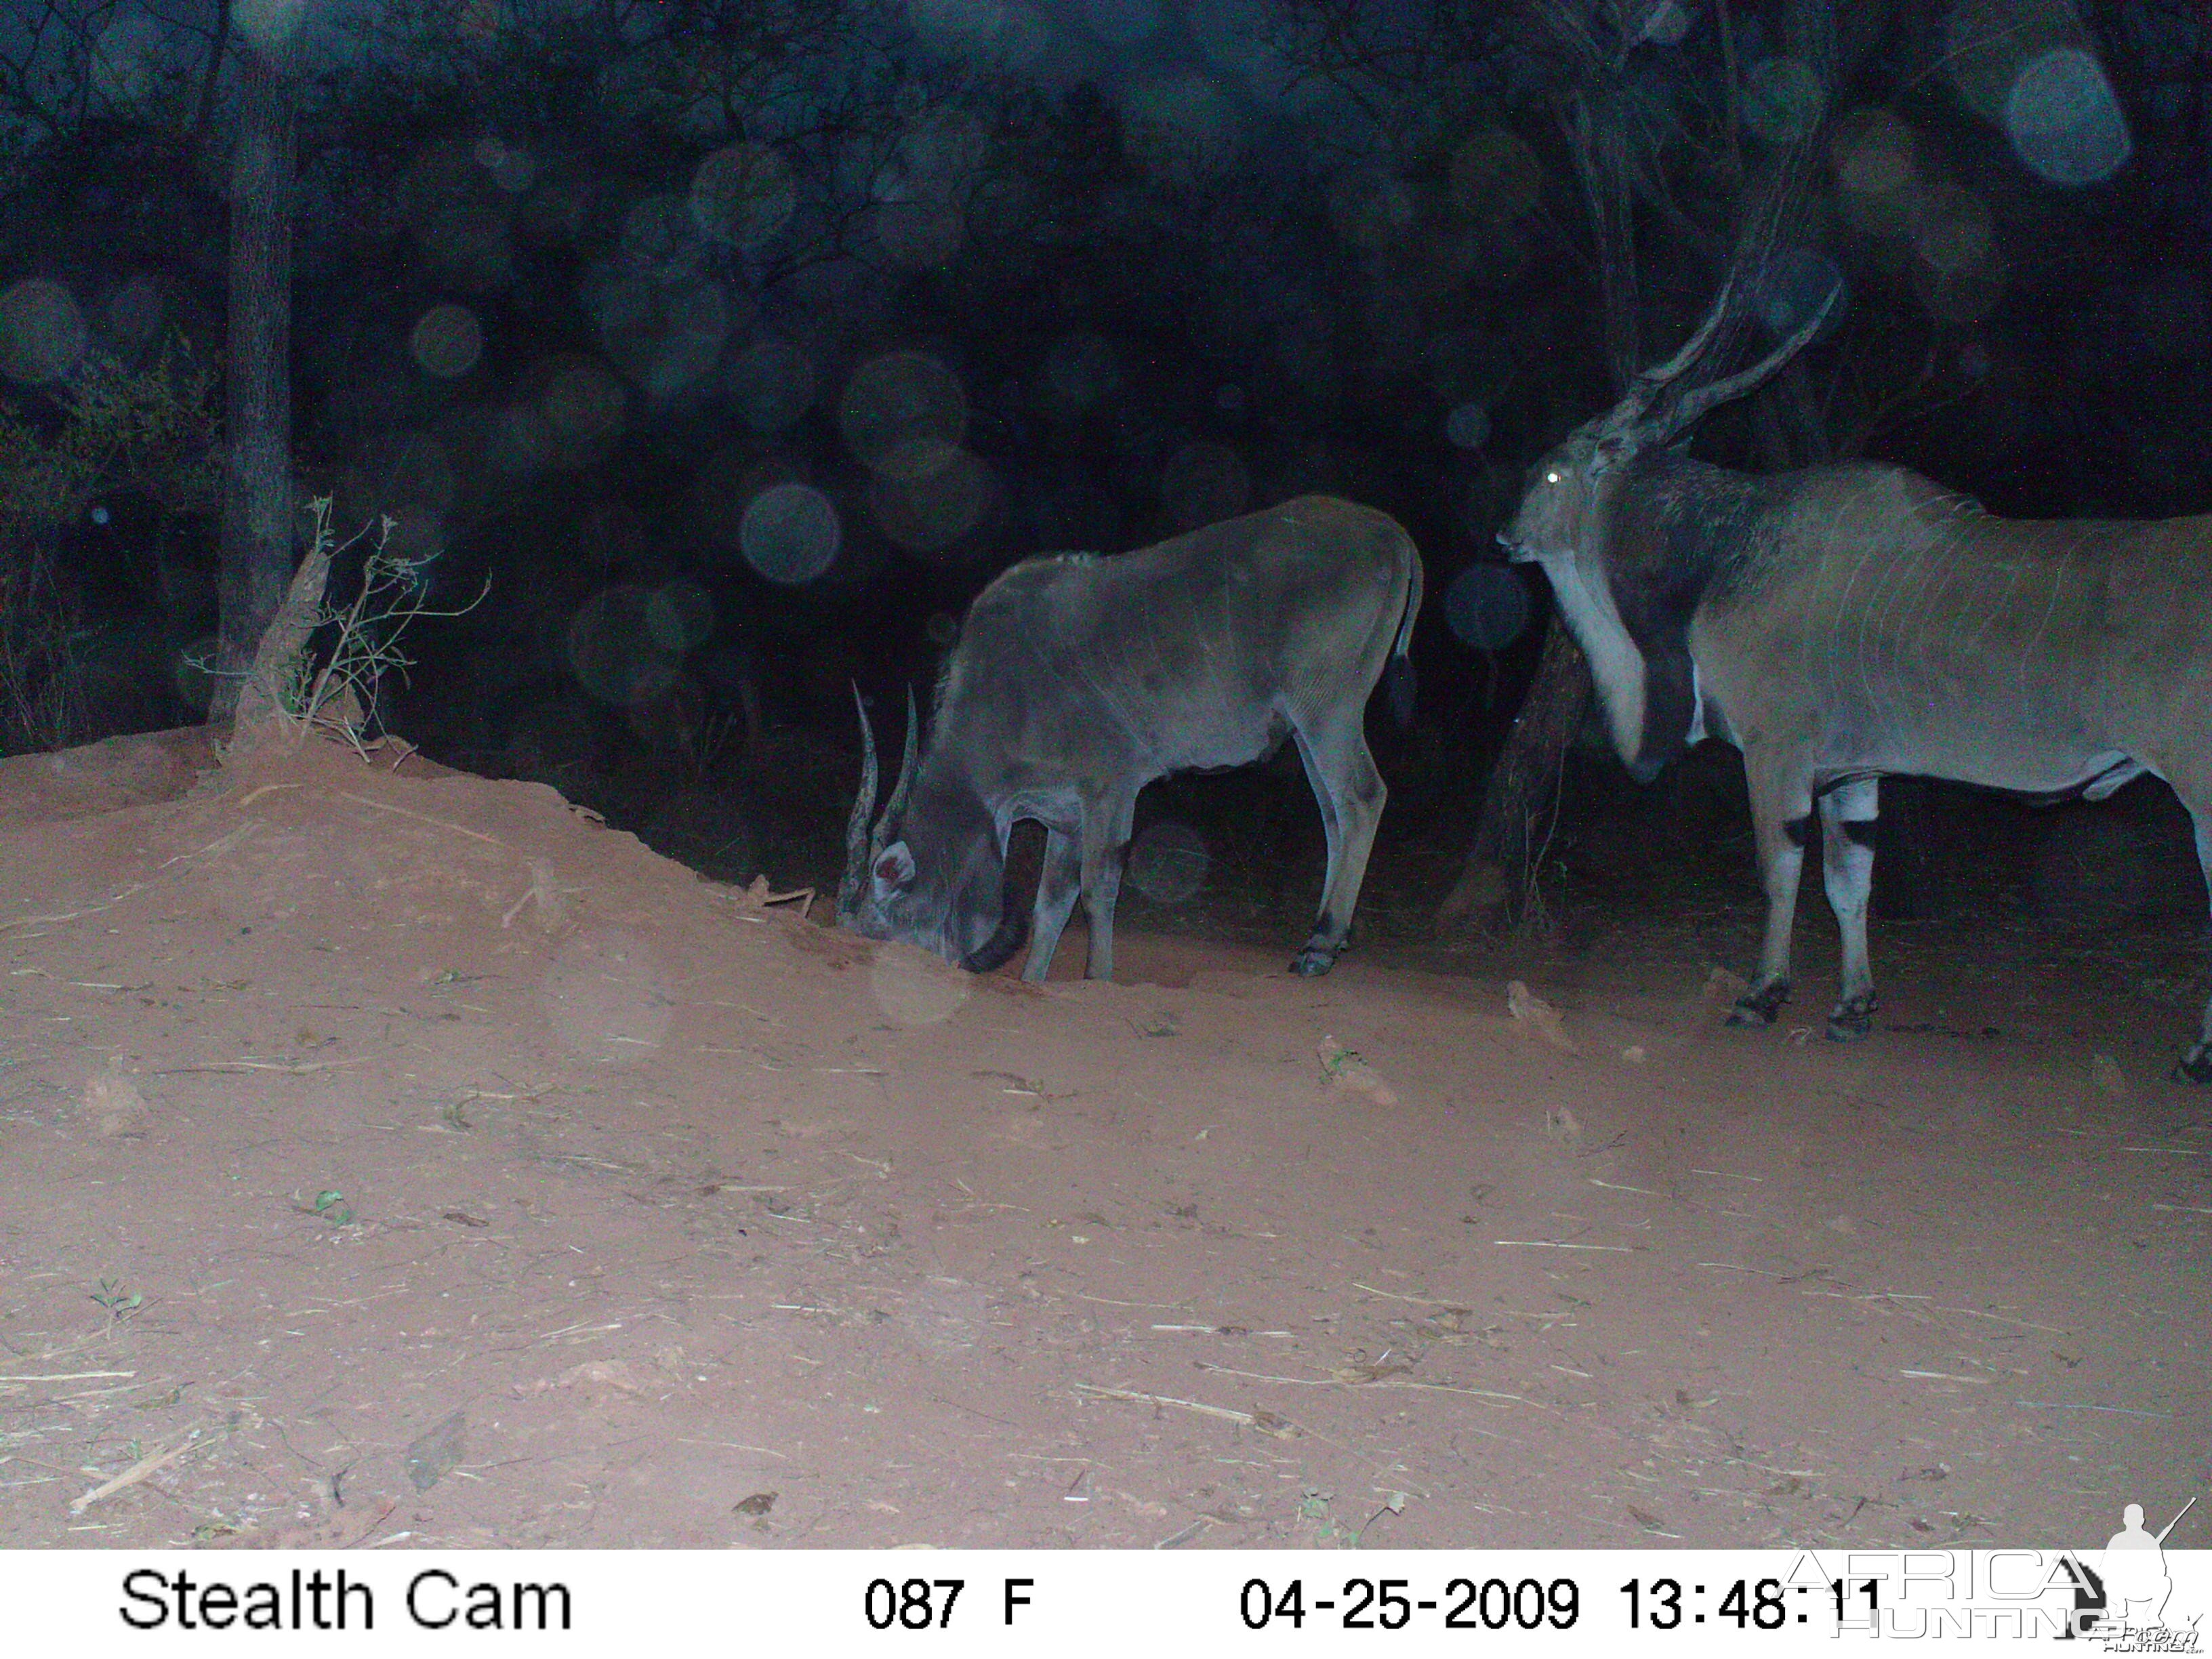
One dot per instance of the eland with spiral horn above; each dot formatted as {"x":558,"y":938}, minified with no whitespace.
{"x":1844,"y":622}
{"x":1078,"y":679}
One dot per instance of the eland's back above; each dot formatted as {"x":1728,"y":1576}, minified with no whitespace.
{"x":2016,"y":653}
{"x":1191,"y":650}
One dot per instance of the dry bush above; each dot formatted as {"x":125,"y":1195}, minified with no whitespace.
{"x":110,"y":428}
{"x":318,"y":667}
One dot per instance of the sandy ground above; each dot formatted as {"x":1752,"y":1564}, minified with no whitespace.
{"x":398,"y":1156}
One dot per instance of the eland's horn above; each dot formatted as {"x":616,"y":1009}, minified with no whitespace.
{"x":1673,"y":367}
{"x":1694,"y":403}
{"x":1011,"y":934}
{"x":894,"y":808}
{"x":857,"y":853}
{"x":1652,"y":381}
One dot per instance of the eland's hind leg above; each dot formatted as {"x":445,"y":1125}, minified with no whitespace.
{"x":1106,"y":827}
{"x":1350,"y":794}
{"x":1847,"y":820}
{"x":2195,"y":1063}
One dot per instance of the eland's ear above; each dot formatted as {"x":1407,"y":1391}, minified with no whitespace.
{"x":1608,"y":452}
{"x":894,"y":865}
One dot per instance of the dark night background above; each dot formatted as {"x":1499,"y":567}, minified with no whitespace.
{"x":737,"y":345}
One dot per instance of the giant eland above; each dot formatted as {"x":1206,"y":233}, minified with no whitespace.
{"x":1842,"y":622}
{"x":1079,"y":679}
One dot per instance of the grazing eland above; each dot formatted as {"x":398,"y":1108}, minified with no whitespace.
{"x":1842,"y":622}
{"x":1078,"y":680}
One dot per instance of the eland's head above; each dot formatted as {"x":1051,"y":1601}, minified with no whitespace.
{"x":931,"y":869}
{"x":1566,"y":508}
{"x":1563,"y":505}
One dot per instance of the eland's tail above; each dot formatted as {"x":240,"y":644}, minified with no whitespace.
{"x":1399,"y":682}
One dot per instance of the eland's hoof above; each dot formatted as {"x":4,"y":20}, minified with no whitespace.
{"x":1757,"y":1008}
{"x":2196,"y":1066}
{"x":1853,"y":1019}
{"x":1313,"y":962}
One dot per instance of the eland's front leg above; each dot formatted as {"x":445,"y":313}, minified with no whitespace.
{"x":1847,"y":821}
{"x":1059,"y":884}
{"x":1781,"y":821}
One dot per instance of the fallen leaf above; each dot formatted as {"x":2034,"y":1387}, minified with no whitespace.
{"x":436,"y":1453}
{"x":1346,"y":1068}
{"x":1535,"y":1015}
{"x":114,"y":1103}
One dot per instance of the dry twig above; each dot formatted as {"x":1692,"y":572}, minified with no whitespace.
{"x":153,"y":1463}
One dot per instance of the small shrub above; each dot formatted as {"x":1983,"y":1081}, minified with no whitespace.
{"x":320,"y":665}
{"x":112,"y":428}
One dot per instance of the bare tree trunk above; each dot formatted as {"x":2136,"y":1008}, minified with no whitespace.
{"x":278,"y":657}
{"x":195,"y":135}
{"x":1495,"y":881}
{"x":1518,"y":804}
{"x":1606,"y":170}
{"x":257,"y":495}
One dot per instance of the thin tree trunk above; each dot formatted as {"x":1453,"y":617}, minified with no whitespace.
{"x":257,"y":496}
{"x":1606,"y":170}
{"x":1518,"y":802}
{"x":278,"y":655}
{"x":1496,"y":881}
{"x":195,"y":135}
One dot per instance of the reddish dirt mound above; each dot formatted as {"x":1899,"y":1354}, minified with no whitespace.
{"x":101,"y":777}
{"x":397,"y":1155}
